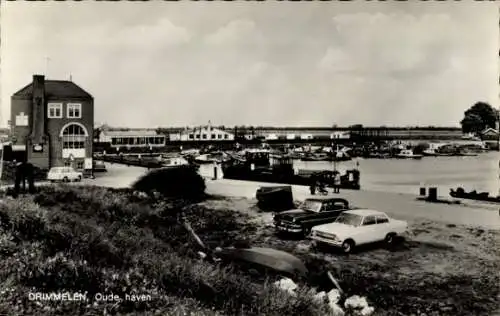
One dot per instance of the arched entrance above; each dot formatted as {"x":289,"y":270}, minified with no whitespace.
{"x":74,"y":139}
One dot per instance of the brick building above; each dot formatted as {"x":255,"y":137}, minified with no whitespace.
{"x":52,"y":124}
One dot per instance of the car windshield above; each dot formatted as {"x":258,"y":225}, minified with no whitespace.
{"x":310,"y":205}
{"x":349,"y":219}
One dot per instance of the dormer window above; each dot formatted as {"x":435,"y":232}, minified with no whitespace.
{"x":54,"y":110}
{"x":74,"y":110}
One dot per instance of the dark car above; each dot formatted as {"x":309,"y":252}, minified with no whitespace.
{"x":312,"y":212}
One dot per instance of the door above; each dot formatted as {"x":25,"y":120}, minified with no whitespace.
{"x":382,"y":226}
{"x":320,"y":217}
{"x":329,"y":212}
{"x":368,"y":230}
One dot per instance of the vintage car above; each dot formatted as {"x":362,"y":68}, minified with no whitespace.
{"x":64,"y":174}
{"x":358,"y":227}
{"x":312,"y":212}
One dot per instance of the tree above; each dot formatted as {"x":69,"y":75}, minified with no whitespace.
{"x":479,"y":117}
{"x":472,"y":123}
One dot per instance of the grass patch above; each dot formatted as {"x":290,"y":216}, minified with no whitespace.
{"x":96,"y":240}
{"x":92,"y":239}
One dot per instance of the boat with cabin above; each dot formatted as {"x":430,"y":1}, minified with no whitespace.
{"x":259,"y":166}
{"x":210,"y":158}
{"x":315,"y":157}
{"x":174,"y":161}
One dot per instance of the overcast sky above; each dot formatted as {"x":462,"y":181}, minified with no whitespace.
{"x":275,"y":63}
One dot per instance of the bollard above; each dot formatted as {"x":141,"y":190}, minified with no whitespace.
{"x":422,"y":191}
{"x":432,"y":194}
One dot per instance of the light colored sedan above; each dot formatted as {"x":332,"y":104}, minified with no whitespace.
{"x":64,"y":174}
{"x":358,"y":227}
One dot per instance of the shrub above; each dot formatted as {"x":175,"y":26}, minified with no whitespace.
{"x":9,"y":173}
{"x":177,"y":182}
{"x":25,"y":218}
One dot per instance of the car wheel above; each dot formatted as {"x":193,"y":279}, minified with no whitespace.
{"x":347,"y":246}
{"x":390,"y":238}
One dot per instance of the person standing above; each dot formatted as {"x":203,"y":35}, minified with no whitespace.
{"x":336,"y":183}
{"x":312,"y":186}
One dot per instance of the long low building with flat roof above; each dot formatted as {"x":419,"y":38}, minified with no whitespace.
{"x":131,"y":138}
{"x":356,"y":132}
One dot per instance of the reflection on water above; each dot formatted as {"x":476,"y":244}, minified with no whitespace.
{"x":479,"y":173}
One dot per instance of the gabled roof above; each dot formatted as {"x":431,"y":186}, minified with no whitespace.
{"x":56,"y":88}
{"x":489,"y":130}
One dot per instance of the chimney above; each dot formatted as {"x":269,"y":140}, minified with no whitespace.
{"x":38,"y":111}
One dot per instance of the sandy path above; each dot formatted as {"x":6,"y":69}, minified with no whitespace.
{"x":399,"y":205}
{"x":402,"y":206}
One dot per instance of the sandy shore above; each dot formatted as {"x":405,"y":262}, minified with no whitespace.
{"x":404,"y":206}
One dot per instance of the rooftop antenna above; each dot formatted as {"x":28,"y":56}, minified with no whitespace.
{"x":70,"y":77}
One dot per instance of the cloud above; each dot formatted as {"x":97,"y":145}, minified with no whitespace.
{"x":236,"y":31}
{"x":181,"y":65}
{"x":338,"y":60}
{"x":163,"y":33}
{"x":391,"y":43}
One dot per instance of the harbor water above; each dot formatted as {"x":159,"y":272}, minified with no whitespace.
{"x":480,"y":173}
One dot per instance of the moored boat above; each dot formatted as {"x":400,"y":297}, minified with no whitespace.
{"x":316,"y":157}
{"x":436,"y":153}
{"x":408,"y":154}
{"x":473,"y":195}
{"x":174,"y":162}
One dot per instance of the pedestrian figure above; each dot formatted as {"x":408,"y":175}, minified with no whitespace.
{"x":336,"y":183}
{"x":312,"y":187}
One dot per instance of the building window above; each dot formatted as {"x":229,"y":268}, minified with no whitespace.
{"x":67,"y":164}
{"x":74,"y":137}
{"x":54,"y":110}
{"x":213,"y":136}
{"x":226,"y":136}
{"x":74,"y":110}
{"x":191,"y":136}
{"x":219,"y":136}
{"x":204,"y":136}
{"x":79,"y":165}
{"x":197,"y":136}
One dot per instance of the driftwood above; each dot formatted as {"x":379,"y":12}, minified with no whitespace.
{"x":334,"y":281}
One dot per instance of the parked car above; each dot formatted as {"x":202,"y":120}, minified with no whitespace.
{"x":64,"y":174}
{"x":312,"y":212}
{"x":358,"y":227}
{"x":99,"y":166}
